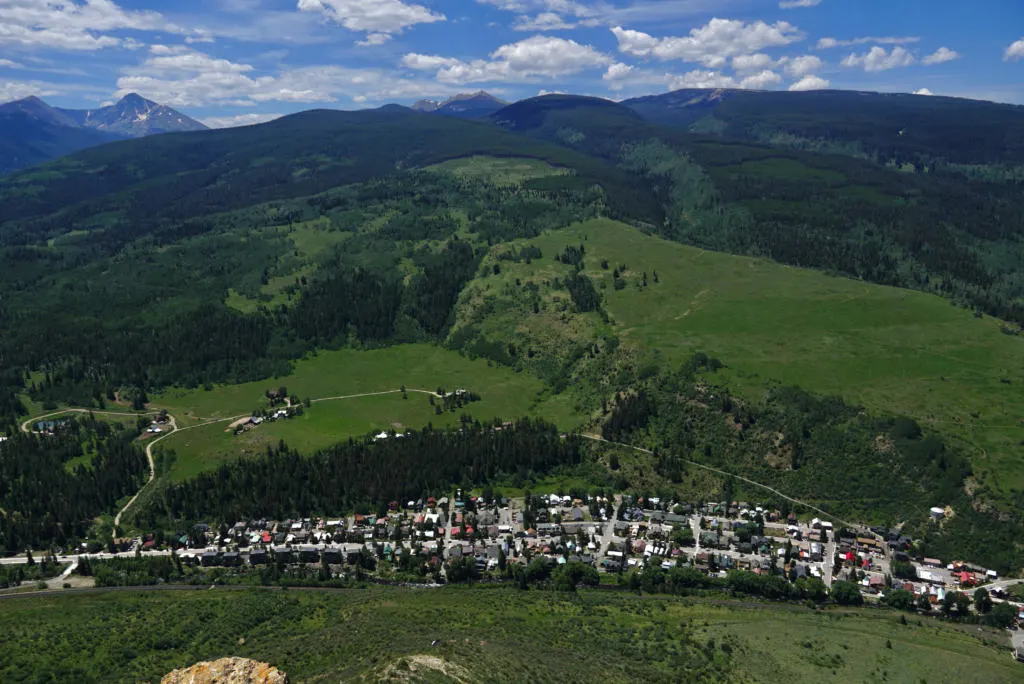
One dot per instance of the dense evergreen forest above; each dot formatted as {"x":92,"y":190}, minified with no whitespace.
{"x":365,"y":475}
{"x":52,"y":486}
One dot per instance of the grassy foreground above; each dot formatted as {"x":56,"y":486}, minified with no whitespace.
{"x":485,"y":634}
{"x":894,"y":351}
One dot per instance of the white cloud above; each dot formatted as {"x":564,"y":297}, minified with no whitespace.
{"x":17,"y":90}
{"x":810,"y":83}
{"x":374,"y":39}
{"x":539,"y":56}
{"x":827,"y":43}
{"x":793,"y":4}
{"x":760,"y":80}
{"x":182,"y":77}
{"x":923,"y":91}
{"x":545,"y":21}
{"x":6,"y":63}
{"x":617,"y":71}
{"x":560,"y":7}
{"x":940,"y":56}
{"x":711,"y":44}
{"x":803,"y":65}
{"x":701,"y":79}
{"x":1015,"y":51}
{"x":74,"y":25}
{"x":878,"y":59}
{"x":239,"y":120}
{"x":372,"y":16}
{"x":758,"y":60}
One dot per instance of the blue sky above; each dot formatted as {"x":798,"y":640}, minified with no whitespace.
{"x":241,"y":61}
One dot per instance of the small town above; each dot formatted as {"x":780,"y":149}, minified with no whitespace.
{"x":618,"y":538}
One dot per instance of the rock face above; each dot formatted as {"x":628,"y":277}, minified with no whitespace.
{"x":227,"y":671}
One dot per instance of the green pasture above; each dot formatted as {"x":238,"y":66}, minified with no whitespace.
{"x":892,"y":350}
{"x":498,"y":170}
{"x":494,"y":634}
{"x":504,"y":393}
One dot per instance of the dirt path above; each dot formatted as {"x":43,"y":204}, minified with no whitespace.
{"x":26,"y":426}
{"x":152,"y":470}
{"x":598,"y":438}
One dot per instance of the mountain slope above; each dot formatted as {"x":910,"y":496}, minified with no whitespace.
{"x":208,"y":171}
{"x":32,"y":132}
{"x":134,"y":116}
{"x":894,"y":127}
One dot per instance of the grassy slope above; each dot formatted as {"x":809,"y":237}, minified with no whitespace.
{"x":338,"y":373}
{"x":494,"y":634}
{"x":500,"y":171}
{"x":892,"y":350}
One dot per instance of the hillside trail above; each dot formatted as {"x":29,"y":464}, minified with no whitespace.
{"x":26,"y":426}
{"x":854,"y":526}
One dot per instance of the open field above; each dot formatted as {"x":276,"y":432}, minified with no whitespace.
{"x":892,"y":350}
{"x":498,"y":170}
{"x":504,"y":394}
{"x":492,"y":634}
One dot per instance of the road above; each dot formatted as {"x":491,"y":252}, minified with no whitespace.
{"x":152,"y":469}
{"x":27,"y":425}
{"x":608,"y":529}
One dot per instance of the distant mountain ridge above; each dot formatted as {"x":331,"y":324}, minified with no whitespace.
{"x":32,"y":132}
{"x":134,"y":116}
{"x":463,"y":106}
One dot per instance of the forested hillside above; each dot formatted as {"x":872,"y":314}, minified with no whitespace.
{"x":220,"y":257}
{"x":956,"y":231}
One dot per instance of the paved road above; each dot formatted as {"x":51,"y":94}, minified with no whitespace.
{"x":608,"y":529}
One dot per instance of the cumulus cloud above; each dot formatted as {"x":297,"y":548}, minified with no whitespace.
{"x":761,"y":80}
{"x":710,"y":45}
{"x":617,"y":71}
{"x":758,"y":60}
{"x":1015,"y":51}
{"x":239,"y":120}
{"x":803,"y":65}
{"x":923,"y":91}
{"x":182,"y":77}
{"x":943,"y":54}
{"x":700,"y":78}
{"x":74,"y":25}
{"x":16,"y":90}
{"x":372,"y":16}
{"x":810,"y":83}
{"x":827,"y":43}
{"x":539,"y":56}
{"x":793,"y":4}
{"x":879,"y":59}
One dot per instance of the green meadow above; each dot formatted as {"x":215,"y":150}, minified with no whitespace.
{"x":498,"y":170}
{"x":504,"y":393}
{"x":495,"y":634}
{"x":891,"y":350}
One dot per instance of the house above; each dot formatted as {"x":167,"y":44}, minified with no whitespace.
{"x":258,"y":557}
{"x":209,"y":558}
{"x":283,"y":554}
{"x":231,"y":559}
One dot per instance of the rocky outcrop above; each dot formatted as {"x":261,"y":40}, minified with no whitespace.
{"x":227,"y":671}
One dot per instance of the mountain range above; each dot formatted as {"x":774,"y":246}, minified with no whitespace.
{"x":32,"y":131}
{"x":463,"y":106}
